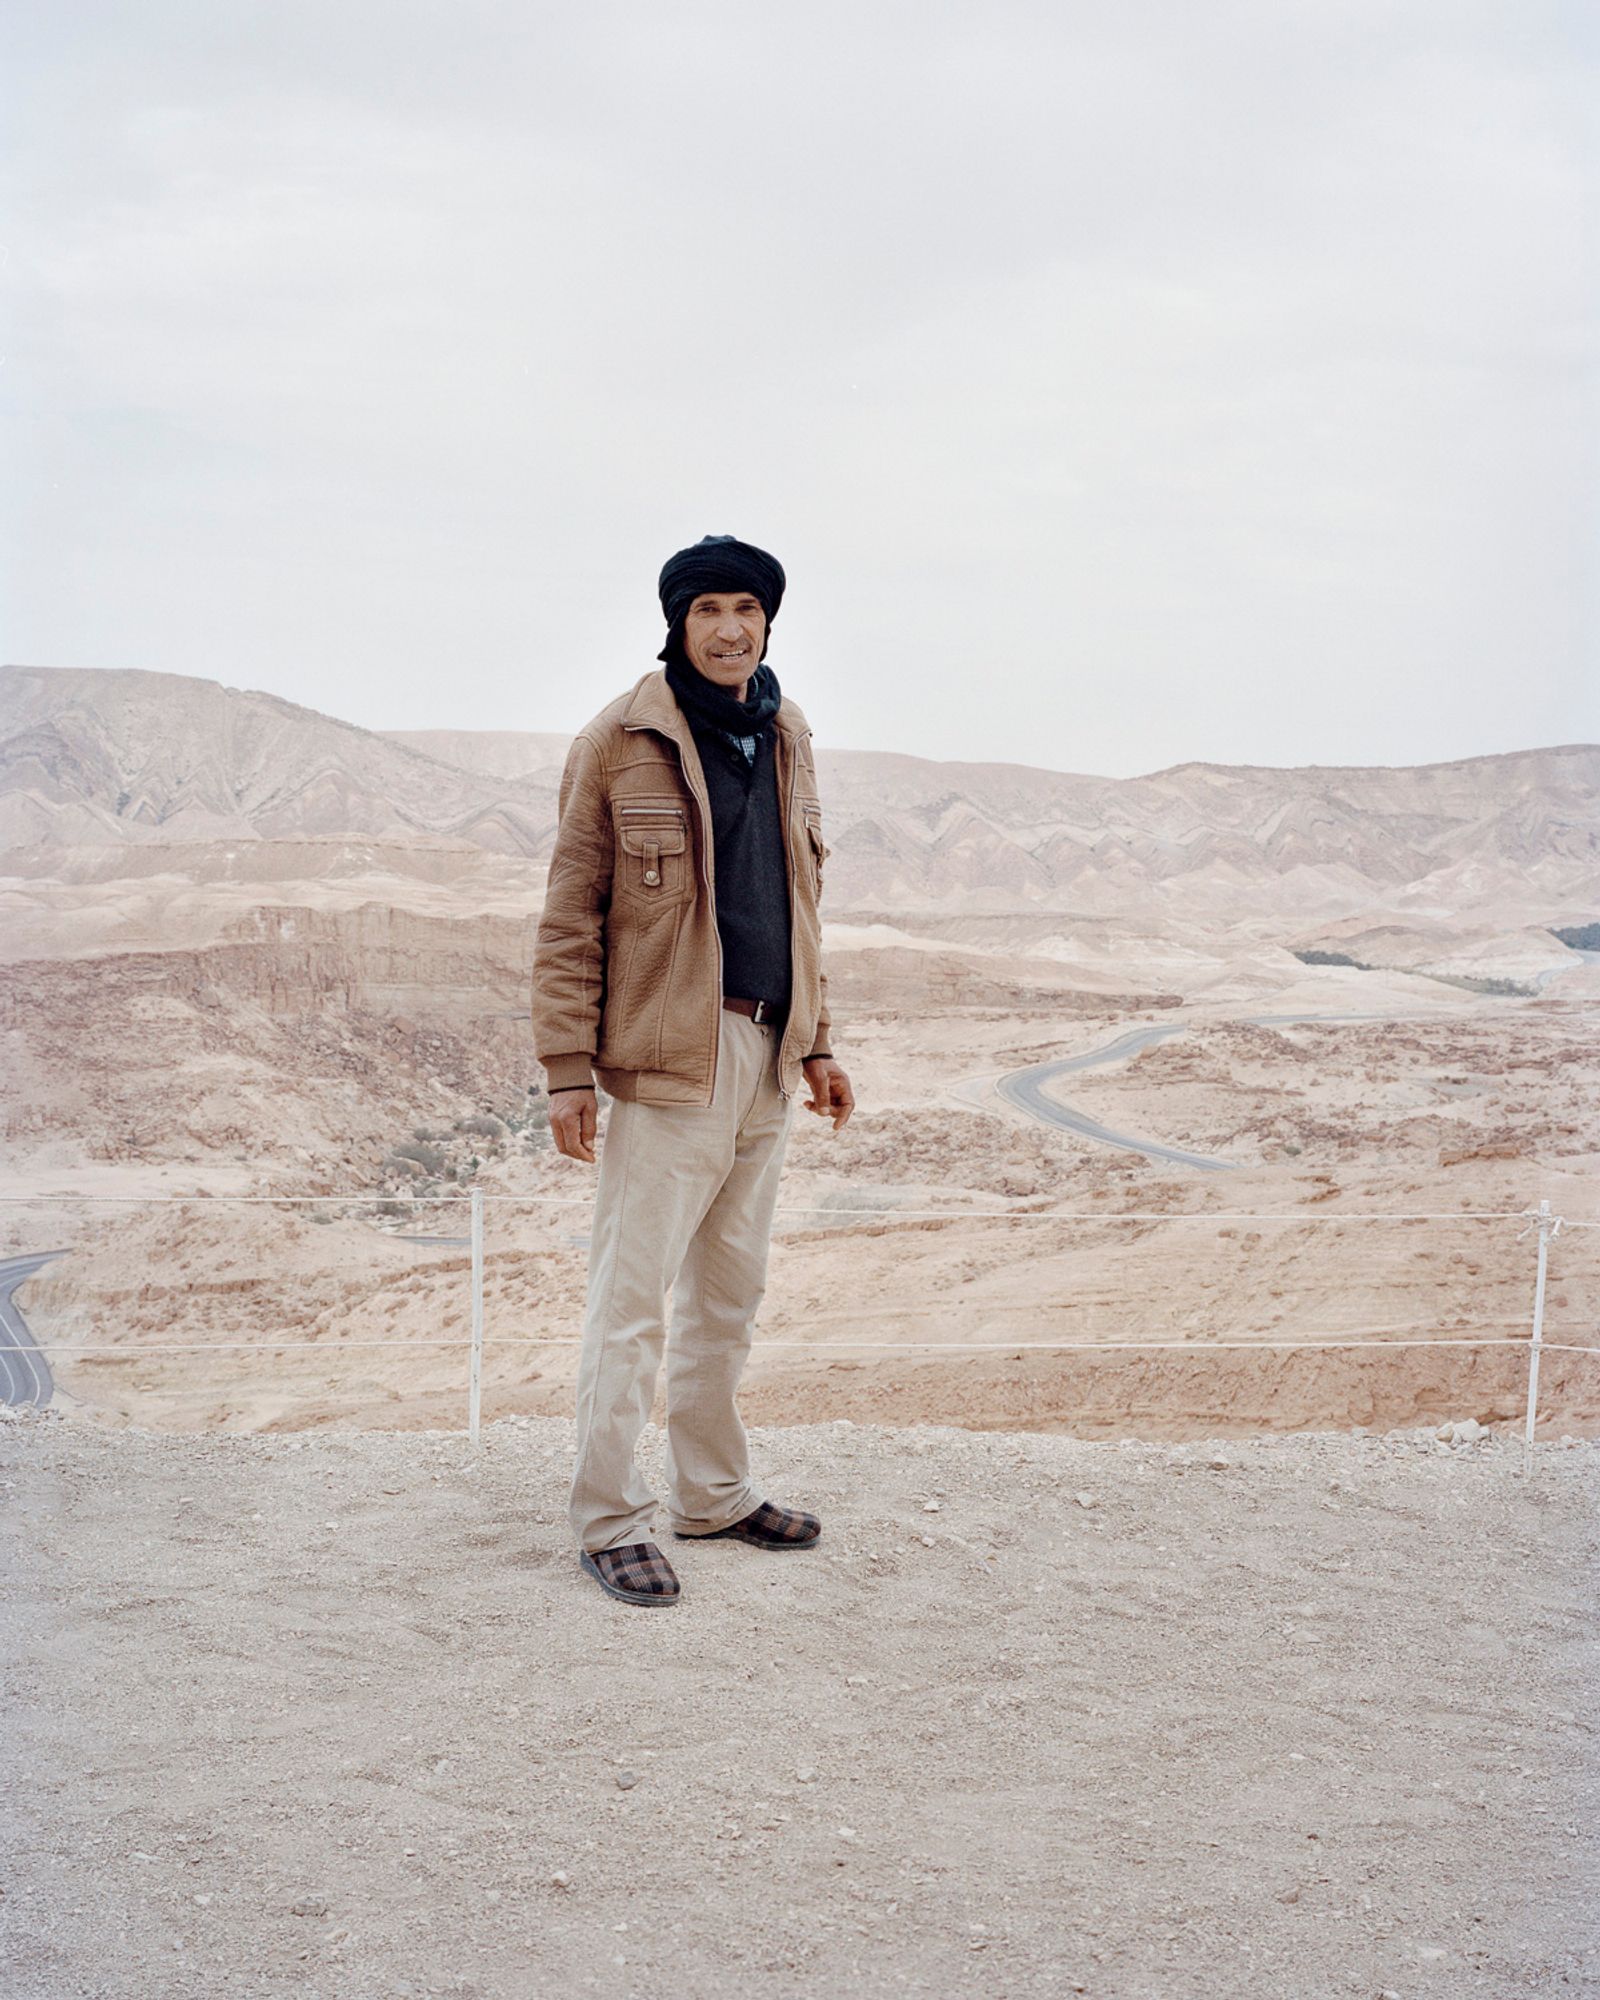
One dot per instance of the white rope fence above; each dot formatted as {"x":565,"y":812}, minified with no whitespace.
{"x":827,"y":1208}
{"x":1548,"y":1225}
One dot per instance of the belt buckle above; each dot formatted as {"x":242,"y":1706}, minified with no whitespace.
{"x":760,"y":1014}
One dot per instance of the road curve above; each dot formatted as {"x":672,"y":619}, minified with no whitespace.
{"x":1542,"y":979}
{"x":1025,"y":1087}
{"x":25,"y":1378}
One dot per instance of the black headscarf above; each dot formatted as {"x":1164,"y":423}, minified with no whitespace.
{"x":720,"y":563}
{"x":720,"y":707}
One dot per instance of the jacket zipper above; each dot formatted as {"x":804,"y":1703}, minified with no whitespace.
{"x":708,"y":852}
{"x":788,"y":848}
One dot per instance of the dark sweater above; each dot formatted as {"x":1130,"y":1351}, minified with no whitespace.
{"x":752,"y":879}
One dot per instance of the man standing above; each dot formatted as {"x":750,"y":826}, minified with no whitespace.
{"x":679,"y":961}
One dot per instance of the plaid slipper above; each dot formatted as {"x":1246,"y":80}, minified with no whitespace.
{"x":638,"y":1573}
{"x":769,"y":1527}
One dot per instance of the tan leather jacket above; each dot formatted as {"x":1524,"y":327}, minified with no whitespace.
{"x":627,"y":963}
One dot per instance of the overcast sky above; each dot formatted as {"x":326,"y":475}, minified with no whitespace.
{"x":1120,"y":385}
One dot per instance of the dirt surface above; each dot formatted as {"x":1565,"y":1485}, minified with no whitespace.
{"x":337,"y":1715}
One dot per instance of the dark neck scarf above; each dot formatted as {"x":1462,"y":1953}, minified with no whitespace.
{"x":719,"y":710}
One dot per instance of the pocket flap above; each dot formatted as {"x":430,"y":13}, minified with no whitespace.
{"x":656,"y":839}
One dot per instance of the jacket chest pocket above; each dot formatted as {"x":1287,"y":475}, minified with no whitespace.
{"x":653,"y":861}
{"x":819,"y":852}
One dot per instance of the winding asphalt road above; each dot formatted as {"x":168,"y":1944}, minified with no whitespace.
{"x":1543,"y":979}
{"x":1025,"y":1088}
{"x":25,"y":1377}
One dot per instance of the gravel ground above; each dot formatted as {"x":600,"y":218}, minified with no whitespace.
{"x":337,"y":1715}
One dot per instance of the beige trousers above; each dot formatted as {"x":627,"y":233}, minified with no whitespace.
{"x":685,"y":1199}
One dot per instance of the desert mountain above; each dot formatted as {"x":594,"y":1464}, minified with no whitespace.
{"x":91,"y":757}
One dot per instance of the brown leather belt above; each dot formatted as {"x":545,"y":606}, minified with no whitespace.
{"x":764,"y":1011}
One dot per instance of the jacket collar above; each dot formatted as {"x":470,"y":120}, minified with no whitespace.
{"x":653,"y":705}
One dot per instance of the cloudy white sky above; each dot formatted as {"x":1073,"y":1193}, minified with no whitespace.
{"x":1119,"y":385}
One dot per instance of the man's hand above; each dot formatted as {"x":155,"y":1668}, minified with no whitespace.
{"x":574,"y":1115}
{"x":831,"y":1095}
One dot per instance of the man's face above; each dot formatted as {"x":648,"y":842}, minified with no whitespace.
{"x":723,"y":634}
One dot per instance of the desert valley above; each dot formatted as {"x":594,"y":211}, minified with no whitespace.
{"x":254,"y":951}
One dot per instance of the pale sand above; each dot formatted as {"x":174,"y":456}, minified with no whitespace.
{"x":1319,"y":1721}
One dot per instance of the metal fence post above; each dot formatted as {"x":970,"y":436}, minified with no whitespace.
{"x":475,"y":1379}
{"x":1537,"y":1340}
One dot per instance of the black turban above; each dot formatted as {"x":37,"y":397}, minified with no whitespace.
{"x":717,"y":563}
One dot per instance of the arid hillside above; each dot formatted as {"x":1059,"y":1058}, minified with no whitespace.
{"x":882,"y":1304}
{"x":90,"y":757}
